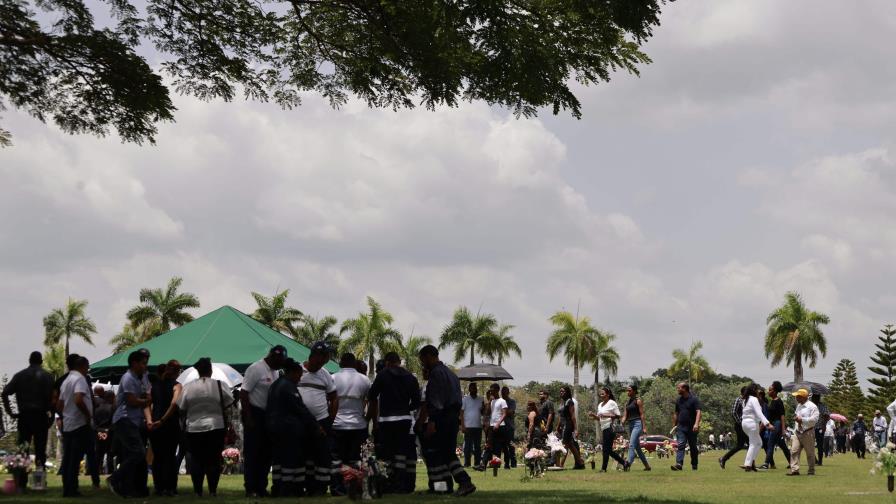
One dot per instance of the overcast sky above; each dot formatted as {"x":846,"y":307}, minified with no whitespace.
{"x":754,"y":156}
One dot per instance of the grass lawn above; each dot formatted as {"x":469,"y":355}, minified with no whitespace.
{"x":842,"y":479}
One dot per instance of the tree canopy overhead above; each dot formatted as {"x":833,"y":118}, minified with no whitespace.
{"x":58,"y":62}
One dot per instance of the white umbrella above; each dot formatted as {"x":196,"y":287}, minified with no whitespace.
{"x":223,"y":372}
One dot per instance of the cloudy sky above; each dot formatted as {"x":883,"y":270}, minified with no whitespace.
{"x":754,"y":156}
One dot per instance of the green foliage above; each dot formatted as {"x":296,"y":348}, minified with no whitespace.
{"x":884,"y":390}
{"x":131,"y":336}
{"x":467,"y":332}
{"x":89,"y":77}
{"x":689,"y":365}
{"x":409,"y":351}
{"x":370,"y":333}
{"x":659,"y":405}
{"x":166,"y":307}
{"x":312,"y":330}
{"x":274,"y":313}
{"x":63,"y":323}
{"x":575,"y":337}
{"x":794,"y":335}
{"x":846,"y":395}
{"x":54,"y":360}
{"x":503,"y":345}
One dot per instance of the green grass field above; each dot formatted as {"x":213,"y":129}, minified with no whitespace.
{"x":841,"y":479}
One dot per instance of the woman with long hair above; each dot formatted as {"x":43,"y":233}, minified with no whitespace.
{"x":607,"y":412}
{"x":568,"y":416}
{"x":633,"y":418}
{"x":535,"y":429}
{"x":752,"y":420}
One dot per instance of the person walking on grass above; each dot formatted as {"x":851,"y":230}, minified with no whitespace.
{"x":740,"y":441}
{"x":858,"y":436}
{"x":633,"y":419}
{"x":753,"y":420}
{"x":205,"y":403}
{"x":607,"y":413}
{"x":570,"y":427}
{"x":776,"y":435}
{"x":879,"y":424}
{"x":824,"y":414}
{"x":33,"y":388}
{"x":806,"y":418}
{"x":77,"y":427}
{"x":471,"y":425}
{"x":686,"y":422}
{"x":131,"y":420}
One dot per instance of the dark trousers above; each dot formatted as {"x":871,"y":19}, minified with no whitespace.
{"x":473,"y":445}
{"x":739,"y":444}
{"x":33,"y":428}
{"x":686,"y":438}
{"x":256,"y":453}
{"x":345,"y":449}
{"x":776,"y":438}
{"x":858,"y":443}
{"x":206,"y":459}
{"x":399,"y":451}
{"x":288,"y":459}
{"x":319,"y":461}
{"x":130,"y":477}
{"x":607,"y":438}
{"x":164,"y":458}
{"x":443,"y":455}
{"x":74,"y":446}
{"x":103,"y":450}
{"x":819,"y":446}
{"x":93,"y":463}
{"x":509,"y":454}
{"x":497,"y":439}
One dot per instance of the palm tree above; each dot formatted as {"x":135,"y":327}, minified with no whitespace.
{"x":131,"y":336}
{"x":502,"y":344}
{"x":63,"y":323}
{"x":409,"y":350}
{"x":369,"y":333}
{"x":273,"y":312}
{"x":54,"y":360}
{"x":466,"y":332}
{"x":166,"y":306}
{"x":576,"y":337}
{"x":690,"y":362}
{"x":603,"y":356}
{"x":794,"y":335}
{"x":313,"y":330}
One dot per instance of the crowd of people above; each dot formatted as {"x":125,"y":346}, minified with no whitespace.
{"x":302,"y":425}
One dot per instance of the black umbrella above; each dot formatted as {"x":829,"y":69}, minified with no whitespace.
{"x":812,"y":387}
{"x":483,"y":372}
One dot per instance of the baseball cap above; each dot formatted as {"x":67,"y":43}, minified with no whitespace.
{"x":801,"y":393}
{"x":320,"y":347}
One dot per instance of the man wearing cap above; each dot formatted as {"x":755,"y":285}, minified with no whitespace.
{"x":880,"y":428}
{"x":290,"y":425}
{"x":350,"y":425}
{"x":33,"y":388}
{"x":132,"y":415}
{"x":319,"y":394}
{"x":395,"y":393}
{"x":443,"y":405}
{"x":806,"y":418}
{"x":254,"y":400}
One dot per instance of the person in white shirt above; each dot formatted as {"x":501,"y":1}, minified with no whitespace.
{"x":497,"y":431}
{"x":879,"y":424}
{"x":829,"y":429}
{"x":891,"y":430}
{"x":77,"y":424}
{"x":712,"y":441}
{"x":607,"y":412}
{"x":471,"y":425}
{"x":806,"y":415}
{"x":751,"y":421}
{"x":205,"y":402}
{"x":257,"y":382}
{"x":350,"y":424}
{"x":318,"y":392}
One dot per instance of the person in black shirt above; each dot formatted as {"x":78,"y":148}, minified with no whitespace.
{"x":165,"y":433}
{"x":290,"y":425}
{"x":858,"y":436}
{"x":570,"y":426}
{"x":443,"y":405}
{"x":546,"y":410}
{"x":686,"y":421}
{"x":776,"y":436}
{"x":737,"y":413}
{"x":824,"y":414}
{"x":33,"y":388}
{"x":394,"y":394}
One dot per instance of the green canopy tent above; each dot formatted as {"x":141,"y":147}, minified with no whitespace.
{"x":225,"y":335}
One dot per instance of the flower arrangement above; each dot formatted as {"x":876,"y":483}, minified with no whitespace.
{"x":555,"y":444}
{"x":885,"y":463}
{"x":535,"y":462}
{"x":231,"y":459}
{"x":459,"y":452}
{"x":495,"y":464}
{"x":19,"y":464}
{"x":374,"y":472}
{"x":354,"y":482}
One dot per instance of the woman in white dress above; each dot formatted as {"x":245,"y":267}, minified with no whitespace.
{"x":752,"y":420}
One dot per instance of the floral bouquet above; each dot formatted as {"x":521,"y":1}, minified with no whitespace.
{"x":354,"y":482}
{"x":885,"y":463}
{"x":375,"y":472}
{"x":555,"y":444}
{"x":19,"y":464}
{"x":231,"y":459}
{"x":535,"y":462}
{"x":495,"y":464}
